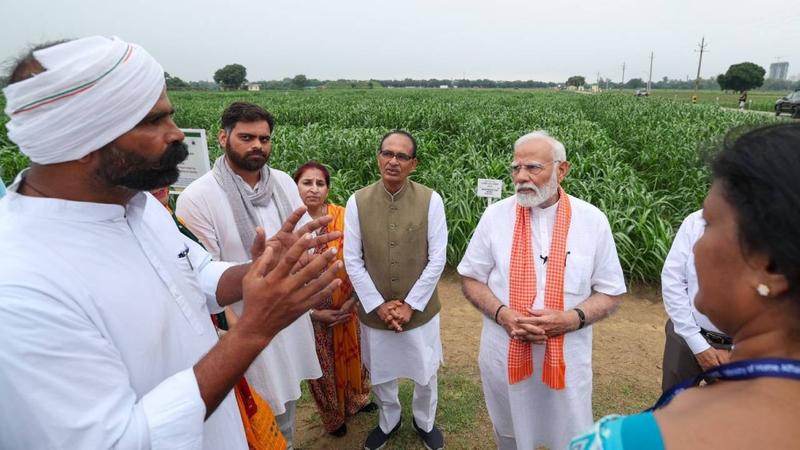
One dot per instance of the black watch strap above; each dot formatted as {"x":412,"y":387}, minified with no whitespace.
{"x":581,"y":316}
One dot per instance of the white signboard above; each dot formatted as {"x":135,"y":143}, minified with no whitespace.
{"x":196,"y":164}
{"x":489,"y":188}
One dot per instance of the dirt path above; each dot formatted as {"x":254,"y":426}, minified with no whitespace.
{"x":628,"y":348}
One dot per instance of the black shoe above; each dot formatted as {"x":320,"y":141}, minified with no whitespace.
{"x":368,"y":408}
{"x":339,"y":432}
{"x":377,"y":438}
{"x":433,"y":439}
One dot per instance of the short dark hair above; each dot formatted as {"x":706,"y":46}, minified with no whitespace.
{"x":759,"y":172}
{"x":404,"y":133}
{"x":245,"y":112}
{"x":26,"y":65}
{"x":312,"y":165}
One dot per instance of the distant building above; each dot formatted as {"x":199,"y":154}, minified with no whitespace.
{"x":778,"y":70}
{"x":253,"y":87}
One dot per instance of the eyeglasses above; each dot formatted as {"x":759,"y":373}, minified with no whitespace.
{"x":532,"y":168}
{"x":388,"y":155}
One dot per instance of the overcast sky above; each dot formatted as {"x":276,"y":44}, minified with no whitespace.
{"x":360,"y":39}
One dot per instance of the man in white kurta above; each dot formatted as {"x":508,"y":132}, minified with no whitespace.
{"x":391,"y":354}
{"x":693,"y":344}
{"x":107,"y":361}
{"x":291,"y":357}
{"x":530,"y":414}
{"x":106,"y":339}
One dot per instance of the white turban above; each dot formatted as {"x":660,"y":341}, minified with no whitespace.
{"x":93,"y":91}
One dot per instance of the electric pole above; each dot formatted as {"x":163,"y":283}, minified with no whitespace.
{"x":623,"y":73}
{"x":699,"y":63}
{"x":650,"y":77}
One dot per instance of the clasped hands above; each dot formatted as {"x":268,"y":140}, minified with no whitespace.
{"x":537,"y":325}
{"x":395,"y":313}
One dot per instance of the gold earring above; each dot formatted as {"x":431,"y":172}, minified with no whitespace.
{"x":763,"y":289}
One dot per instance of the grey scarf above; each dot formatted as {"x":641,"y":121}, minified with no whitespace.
{"x":243,"y":200}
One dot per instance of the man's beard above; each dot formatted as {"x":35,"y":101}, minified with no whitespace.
{"x":132,"y":171}
{"x":244,"y":162}
{"x":539,"y":194}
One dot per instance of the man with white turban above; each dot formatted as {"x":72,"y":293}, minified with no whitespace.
{"x":106,"y":340}
{"x":542,"y":267}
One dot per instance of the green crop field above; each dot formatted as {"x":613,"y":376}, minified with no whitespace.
{"x":638,"y":161}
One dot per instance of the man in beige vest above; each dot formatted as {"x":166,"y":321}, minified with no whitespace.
{"x":395,"y":247}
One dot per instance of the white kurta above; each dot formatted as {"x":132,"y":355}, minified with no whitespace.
{"x":679,"y":284}
{"x":416,"y":353}
{"x":291,"y":356}
{"x":530,"y":411}
{"x":102,"y":321}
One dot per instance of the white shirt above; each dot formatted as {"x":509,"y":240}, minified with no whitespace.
{"x":679,"y":284}
{"x":291,"y":356}
{"x":542,"y":416}
{"x":102,"y":322}
{"x":416,"y":353}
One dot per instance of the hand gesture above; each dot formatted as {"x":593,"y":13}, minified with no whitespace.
{"x":277,"y":291}
{"x":287,"y":235}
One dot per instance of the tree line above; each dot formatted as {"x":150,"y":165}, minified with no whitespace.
{"x":739,"y":77}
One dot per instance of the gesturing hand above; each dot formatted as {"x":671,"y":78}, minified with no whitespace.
{"x":277,"y":291}
{"x":287,"y":235}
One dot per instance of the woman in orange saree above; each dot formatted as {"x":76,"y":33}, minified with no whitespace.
{"x":343,"y":389}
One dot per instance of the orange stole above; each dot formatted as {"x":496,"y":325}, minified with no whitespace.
{"x":346,"y":347}
{"x":260,"y":427}
{"x":522,"y":293}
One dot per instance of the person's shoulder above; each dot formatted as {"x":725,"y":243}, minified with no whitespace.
{"x":366,"y":188}
{"x":281,"y":176}
{"x":695,"y":218}
{"x":200,"y":187}
{"x":585,"y":209}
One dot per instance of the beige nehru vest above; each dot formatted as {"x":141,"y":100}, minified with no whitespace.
{"x":394,"y":235}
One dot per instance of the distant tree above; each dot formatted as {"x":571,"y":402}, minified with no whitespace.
{"x":576,"y":80}
{"x":635,"y":83}
{"x":744,"y":76}
{"x":175,"y":83}
{"x":231,"y":76}
{"x":299,"y":81}
{"x":722,"y":82}
{"x":204,"y":85}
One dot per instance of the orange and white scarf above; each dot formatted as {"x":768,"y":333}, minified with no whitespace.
{"x":522,"y":293}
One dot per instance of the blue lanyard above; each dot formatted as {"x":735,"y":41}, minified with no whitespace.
{"x":735,"y":371}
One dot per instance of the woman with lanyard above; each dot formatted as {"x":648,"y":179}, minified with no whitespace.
{"x":748,"y":270}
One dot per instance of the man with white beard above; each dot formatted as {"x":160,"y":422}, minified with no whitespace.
{"x":542,"y":267}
